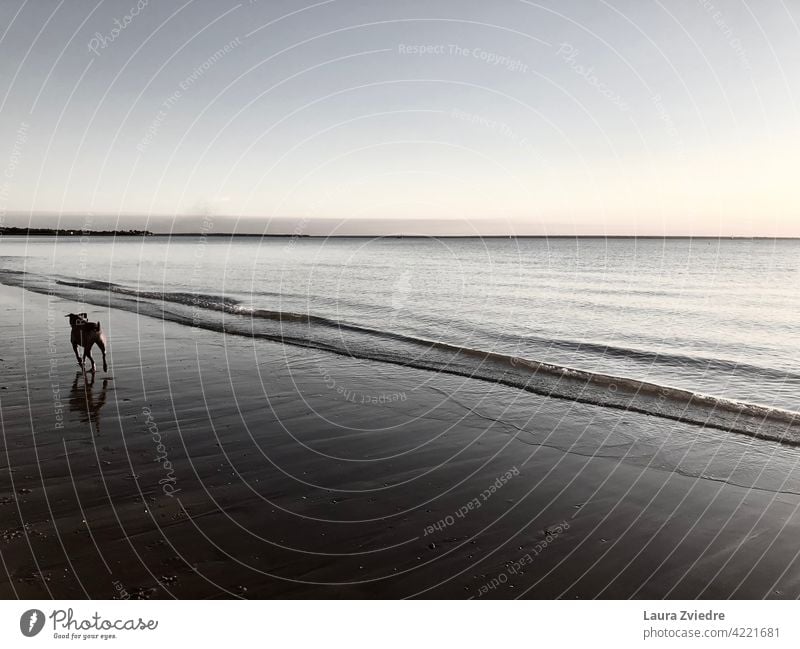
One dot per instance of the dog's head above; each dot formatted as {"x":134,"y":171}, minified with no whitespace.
{"x":77,"y":318}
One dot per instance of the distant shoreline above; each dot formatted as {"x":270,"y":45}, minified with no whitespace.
{"x":72,"y":233}
{"x":68,"y":232}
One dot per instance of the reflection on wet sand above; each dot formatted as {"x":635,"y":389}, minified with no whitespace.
{"x":84,"y":400}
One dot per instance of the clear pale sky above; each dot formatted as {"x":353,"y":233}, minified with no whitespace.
{"x":555,"y":117}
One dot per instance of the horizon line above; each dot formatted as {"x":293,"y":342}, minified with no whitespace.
{"x":294,"y":235}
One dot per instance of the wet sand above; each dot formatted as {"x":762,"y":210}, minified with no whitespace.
{"x":206,"y":466}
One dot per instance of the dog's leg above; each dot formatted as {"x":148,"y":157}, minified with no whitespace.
{"x":87,"y":352}
{"x":102,"y":347}
{"x":77,"y":356}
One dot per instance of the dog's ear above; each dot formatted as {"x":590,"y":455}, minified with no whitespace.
{"x":84,"y":316}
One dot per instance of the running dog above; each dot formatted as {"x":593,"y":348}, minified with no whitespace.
{"x":86,"y":334}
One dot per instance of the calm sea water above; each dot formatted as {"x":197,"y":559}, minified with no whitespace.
{"x":715,"y":316}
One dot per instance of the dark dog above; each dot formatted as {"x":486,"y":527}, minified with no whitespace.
{"x":86,"y":334}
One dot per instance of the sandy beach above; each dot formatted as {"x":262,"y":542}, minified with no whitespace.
{"x":211,"y":466}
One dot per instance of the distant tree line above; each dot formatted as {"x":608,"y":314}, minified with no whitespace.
{"x":59,"y":232}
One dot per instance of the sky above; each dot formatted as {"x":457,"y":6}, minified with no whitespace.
{"x":619,"y":117}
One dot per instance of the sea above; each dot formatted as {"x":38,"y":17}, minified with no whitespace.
{"x":704,"y":324}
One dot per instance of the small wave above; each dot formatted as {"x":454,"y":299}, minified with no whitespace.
{"x":698,"y":362}
{"x":348,"y":339}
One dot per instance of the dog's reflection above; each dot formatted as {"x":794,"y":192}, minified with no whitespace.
{"x":84,"y":400}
